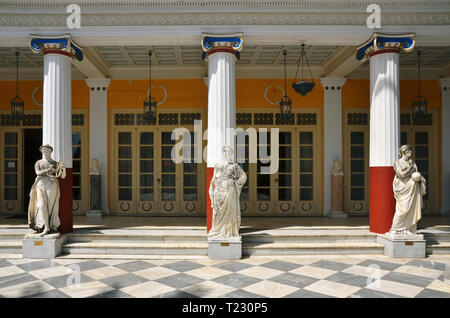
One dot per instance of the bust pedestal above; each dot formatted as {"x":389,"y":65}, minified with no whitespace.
{"x":337,"y":197}
{"x":225,"y":248}
{"x":47,"y":246}
{"x":399,"y":245}
{"x":95,"y":198}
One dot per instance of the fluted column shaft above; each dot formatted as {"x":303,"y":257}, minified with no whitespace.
{"x":57,"y":110}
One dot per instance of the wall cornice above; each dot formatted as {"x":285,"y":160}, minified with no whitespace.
{"x":220,"y":4}
{"x":139,"y":19}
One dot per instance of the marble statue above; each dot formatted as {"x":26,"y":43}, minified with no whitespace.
{"x":409,"y":188}
{"x":337,"y":169}
{"x":43,"y":209}
{"x":224,"y":191}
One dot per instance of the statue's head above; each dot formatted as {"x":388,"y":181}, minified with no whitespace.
{"x":336,"y":165}
{"x":227,"y":153}
{"x":94,"y":163}
{"x":405,"y":151}
{"x":46,"y":149}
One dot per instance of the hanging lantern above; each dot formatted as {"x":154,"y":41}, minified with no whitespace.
{"x":303,"y":87}
{"x":285,"y":103}
{"x":150,"y":103}
{"x":419,"y":103}
{"x":17,"y":104}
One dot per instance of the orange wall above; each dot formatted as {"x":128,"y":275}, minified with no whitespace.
{"x":80,"y":93}
{"x":356,"y":93}
{"x":192,"y":93}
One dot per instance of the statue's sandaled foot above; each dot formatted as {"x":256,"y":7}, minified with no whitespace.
{"x":45,"y":231}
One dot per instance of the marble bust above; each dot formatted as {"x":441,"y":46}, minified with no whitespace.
{"x":224,"y":191}
{"x":337,"y":169}
{"x":43,"y":210}
{"x":95,"y":169}
{"x":409,"y":188}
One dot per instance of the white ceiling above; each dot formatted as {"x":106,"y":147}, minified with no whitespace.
{"x":260,"y":60}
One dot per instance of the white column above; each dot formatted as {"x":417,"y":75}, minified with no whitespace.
{"x":221,"y":52}
{"x":445,"y":125}
{"x":383,"y":51}
{"x":57,"y":110}
{"x":332,"y":123}
{"x":221,"y":105}
{"x":98,"y":130}
{"x":384,"y":110}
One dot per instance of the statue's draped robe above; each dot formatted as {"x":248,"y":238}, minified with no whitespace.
{"x":227,"y":183}
{"x":408,"y":195}
{"x":44,"y":200}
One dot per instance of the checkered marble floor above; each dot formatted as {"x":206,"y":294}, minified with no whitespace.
{"x":342,"y":276}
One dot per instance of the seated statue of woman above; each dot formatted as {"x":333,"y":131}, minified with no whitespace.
{"x":43,"y":210}
{"x":224,"y":191}
{"x":409,"y":187}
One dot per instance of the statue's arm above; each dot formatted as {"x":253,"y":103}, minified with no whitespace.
{"x":402,"y":173}
{"x":242,"y":176}
{"x":39,"y":171}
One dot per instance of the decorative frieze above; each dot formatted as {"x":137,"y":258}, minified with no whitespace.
{"x":284,"y":120}
{"x":189,"y":118}
{"x":243,"y":119}
{"x":263,"y":118}
{"x":124,"y":119}
{"x":168,"y":119}
{"x":306,"y":119}
{"x":357,"y":119}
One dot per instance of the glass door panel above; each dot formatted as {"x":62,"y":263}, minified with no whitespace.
{"x":146,"y":175}
{"x":168,"y":175}
{"x":11,"y":196}
{"x":264,"y":192}
{"x":283,"y":179}
{"x":242,"y":158}
{"x":125,"y":170}
{"x":191,"y":173}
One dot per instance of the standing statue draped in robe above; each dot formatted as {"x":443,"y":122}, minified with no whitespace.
{"x":224,"y":191}
{"x":409,"y":187}
{"x":43,"y":210}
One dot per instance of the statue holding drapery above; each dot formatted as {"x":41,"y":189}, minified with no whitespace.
{"x":224,"y":191}
{"x":409,"y":188}
{"x":43,"y":210}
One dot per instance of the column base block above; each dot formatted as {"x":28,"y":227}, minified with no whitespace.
{"x":95,"y":214}
{"x":337,"y":215}
{"x":403,"y":245}
{"x":225,"y":248}
{"x":47,"y":246}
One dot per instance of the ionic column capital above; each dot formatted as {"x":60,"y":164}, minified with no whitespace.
{"x":385,"y":43}
{"x":228,"y":43}
{"x":56,"y":44}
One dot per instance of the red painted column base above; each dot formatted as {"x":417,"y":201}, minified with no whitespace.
{"x":65,"y":203}
{"x":381,"y":199}
{"x":209,"y":211}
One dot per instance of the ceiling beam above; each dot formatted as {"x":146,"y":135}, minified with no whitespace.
{"x":341,"y":63}
{"x":90,"y":66}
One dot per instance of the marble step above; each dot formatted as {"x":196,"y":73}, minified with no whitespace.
{"x":11,"y":247}
{"x":312,"y":248}
{"x":318,"y":236}
{"x":438,"y":248}
{"x":139,"y":236}
{"x":11,"y":237}
{"x":137,"y":248}
{"x":134,"y":256}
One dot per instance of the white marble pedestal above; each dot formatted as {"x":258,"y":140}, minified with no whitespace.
{"x":396,"y":245}
{"x":225,"y":248}
{"x":47,"y":246}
